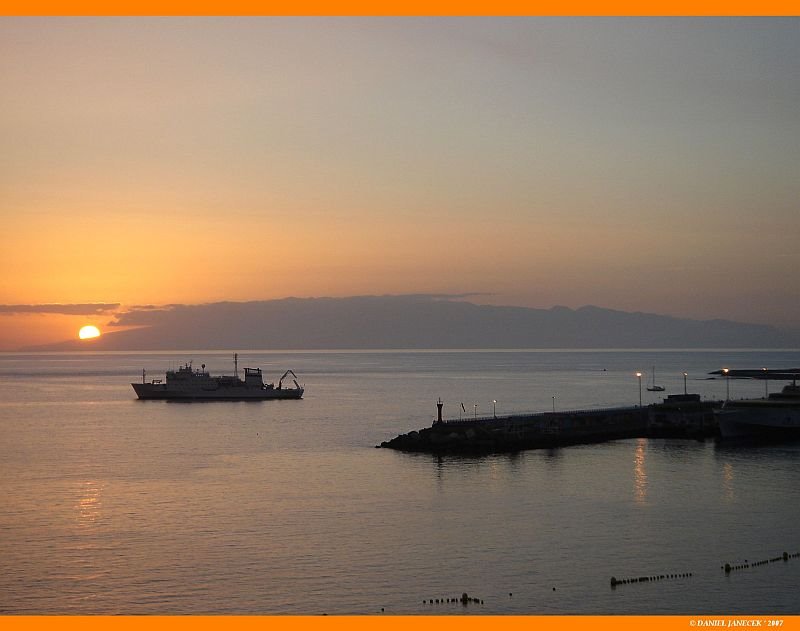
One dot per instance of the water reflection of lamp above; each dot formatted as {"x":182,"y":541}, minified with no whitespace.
{"x":639,"y":472}
{"x":727,"y":481}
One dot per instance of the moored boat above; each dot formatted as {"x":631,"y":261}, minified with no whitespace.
{"x":654,"y":387}
{"x":192,"y":384}
{"x":775,"y":417}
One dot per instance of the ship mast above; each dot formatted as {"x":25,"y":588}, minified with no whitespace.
{"x":236,"y":364}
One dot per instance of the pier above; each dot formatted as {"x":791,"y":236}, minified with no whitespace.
{"x":678,"y":416}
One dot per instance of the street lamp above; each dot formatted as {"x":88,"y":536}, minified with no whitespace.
{"x":766,"y":384}
{"x":476,"y":411}
{"x":684,"y":383}
{"x":494,"y":408}
{"x":639,"y":375}
{"x":727,"y":384}
{"x":554,"y":405}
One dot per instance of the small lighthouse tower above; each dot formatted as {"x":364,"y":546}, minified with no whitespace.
{"x":439,"y":405}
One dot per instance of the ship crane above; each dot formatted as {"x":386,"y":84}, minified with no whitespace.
{"x":286,"y":374}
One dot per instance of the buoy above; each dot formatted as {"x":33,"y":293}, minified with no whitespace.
{"x":727,"y":568}
{"x":554,"y":589}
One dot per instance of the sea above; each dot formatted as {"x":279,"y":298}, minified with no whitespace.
{"x":111,"y":505}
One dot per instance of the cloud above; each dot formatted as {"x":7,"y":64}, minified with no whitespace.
{"x":94,"y":308}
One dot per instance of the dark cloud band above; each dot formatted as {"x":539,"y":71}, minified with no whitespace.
{"x":68,"y":309}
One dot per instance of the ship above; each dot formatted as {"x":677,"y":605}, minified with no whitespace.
{"x":192,"y":384}
{"x":774,"y":417}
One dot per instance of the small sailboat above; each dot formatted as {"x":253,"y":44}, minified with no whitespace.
{"x":653,"y":387}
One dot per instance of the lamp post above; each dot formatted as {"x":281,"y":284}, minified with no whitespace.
{"x":494,"y":408}
{"x":766,"y":384}
{"x":684,"y":384}
{"x":476,"y":411}
{"x":639,"y":375}
{"x":727,"y":384}
{"x":554,"y":405}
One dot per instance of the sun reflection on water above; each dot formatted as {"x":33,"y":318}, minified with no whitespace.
{"x":89,"y":503}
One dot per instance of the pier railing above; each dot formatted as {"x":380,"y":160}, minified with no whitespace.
{"x":530,"y":416}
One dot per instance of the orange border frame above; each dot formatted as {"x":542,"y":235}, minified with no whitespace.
{"x":388,"y":623}
{"x":404,"y":7}
{"x":387,"y":8}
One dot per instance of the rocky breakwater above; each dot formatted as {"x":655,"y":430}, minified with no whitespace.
{"x":524,"y":431}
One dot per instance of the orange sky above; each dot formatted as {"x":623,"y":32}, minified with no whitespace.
{"x":634,"y":164}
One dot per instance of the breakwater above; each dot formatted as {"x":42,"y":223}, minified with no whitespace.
{"x":677,"y":416}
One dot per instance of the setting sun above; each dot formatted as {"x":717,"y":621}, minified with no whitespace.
{"x":88,"y":331}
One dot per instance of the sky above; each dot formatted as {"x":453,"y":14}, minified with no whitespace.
{"x":636,"y":164}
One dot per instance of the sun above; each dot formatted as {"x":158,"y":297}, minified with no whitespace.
{"x":89,"y":331}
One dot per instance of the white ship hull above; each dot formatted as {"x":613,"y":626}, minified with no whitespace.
{"x":162,"y":391}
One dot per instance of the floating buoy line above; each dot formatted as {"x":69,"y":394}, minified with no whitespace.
{"x":465,"y":600}
{"x":647,"y":579}
{"x":727,"y":568}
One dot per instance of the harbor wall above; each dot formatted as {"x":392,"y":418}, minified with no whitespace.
{"x":691,"y":419}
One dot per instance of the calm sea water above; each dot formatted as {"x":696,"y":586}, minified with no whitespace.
{"x":114,"y":505}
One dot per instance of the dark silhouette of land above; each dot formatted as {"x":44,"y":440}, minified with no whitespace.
{"x":413,"y":321}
